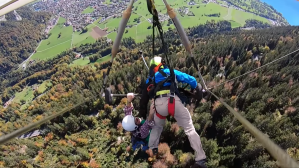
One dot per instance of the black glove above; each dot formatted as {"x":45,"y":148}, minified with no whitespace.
{"x":198,"y":92}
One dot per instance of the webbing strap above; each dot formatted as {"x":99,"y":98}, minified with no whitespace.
{"x":152,"y":9}
{"x":162,"y":92}
{"x":160,"y":116}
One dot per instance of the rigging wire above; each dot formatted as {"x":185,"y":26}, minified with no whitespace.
{"x":255,"y":69}
{"x":284,"y":159}
{"x":30,"y":127}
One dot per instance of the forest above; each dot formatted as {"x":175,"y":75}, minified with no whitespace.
{"x":267,"y":98}
{"x":18,"y":40}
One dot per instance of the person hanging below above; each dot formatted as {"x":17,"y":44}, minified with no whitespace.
{"x":139,"y":128}
{"x":162,"y":86}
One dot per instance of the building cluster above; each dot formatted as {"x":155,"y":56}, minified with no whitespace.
{"x":72,"y":10}
{"x":162,"y":18}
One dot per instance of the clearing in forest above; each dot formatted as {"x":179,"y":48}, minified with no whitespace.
{"x":85,"y":61}
{"x":43,"y":87}
{"x":25,"y":95}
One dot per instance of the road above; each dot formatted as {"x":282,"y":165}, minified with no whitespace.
{"x":21,"y":65}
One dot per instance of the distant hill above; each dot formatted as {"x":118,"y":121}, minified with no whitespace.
{"x":261,"y":9}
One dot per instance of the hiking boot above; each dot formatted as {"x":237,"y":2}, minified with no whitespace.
{"x":200,"y":164}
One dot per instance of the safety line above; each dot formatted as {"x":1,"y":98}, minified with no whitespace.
{"x":279,"y":154}
{"x":255,"y":69}
{"x":30,"y":127}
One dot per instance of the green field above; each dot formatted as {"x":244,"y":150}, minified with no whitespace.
{"x":83,"y":38}
{"x":112,"y":23}
{"x":86,"y":61}
{"x":43,"y":87}
{"x":26,"y":95}
{"x":201,"y":12}
{"x":81,"y":61}
{"x":88,"y":10}
{"x":52,"y":46}
{"x":104,"y":59}
{"x":240,"y":17}
{"x":107,"y":2}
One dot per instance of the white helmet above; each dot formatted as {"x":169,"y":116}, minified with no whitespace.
{"x":128,"y":123}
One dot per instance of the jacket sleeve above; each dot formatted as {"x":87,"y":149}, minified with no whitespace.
{"x":143,"y":102}
{"x":146,"y":127}
{"x":128,"y":110}
{"x":185,"y":78}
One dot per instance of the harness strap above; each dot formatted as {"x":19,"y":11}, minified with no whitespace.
{"x":160,"y":116}
{"x":171,"y":106}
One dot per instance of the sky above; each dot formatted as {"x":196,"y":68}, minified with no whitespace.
{"x":288,"y":8}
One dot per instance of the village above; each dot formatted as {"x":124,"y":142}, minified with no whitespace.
{"x":72,"y":10}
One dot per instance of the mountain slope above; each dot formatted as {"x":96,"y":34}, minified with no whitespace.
{"x":19,"y":38}
{"x":267,"y":98}
{"x":261,"y":9}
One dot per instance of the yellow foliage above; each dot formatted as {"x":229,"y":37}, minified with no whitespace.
{"x":38,"y":117}
{"x":123,"y":101}
{"x":83,"y":141}
{"x":49,"y":137}
{"x":23,"y":162}
{"x":216,"y":105}
{"x":163,"y":148}
{"x":39,"y":144}
{"x":17,"y":125}
{"x":95,"y":150}
{"x":2,"y":164}
{"x":62,"y":142}
{"x":184,"y":158}
{"x":72,"y":142}
{"x":233,"y":97}
{"x":30,"y":107}
{"x":93,"y":164}
{"x":85,"y":164}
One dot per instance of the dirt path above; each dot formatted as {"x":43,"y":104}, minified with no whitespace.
{"x":229,"y":14}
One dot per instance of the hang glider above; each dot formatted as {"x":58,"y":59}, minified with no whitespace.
{"x":7,"y":6}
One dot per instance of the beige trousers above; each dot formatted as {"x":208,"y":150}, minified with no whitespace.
{"x":183,"y":118}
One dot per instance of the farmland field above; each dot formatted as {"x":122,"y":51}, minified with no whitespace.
{"x":196,"y":14}
{"x":60,"y":39}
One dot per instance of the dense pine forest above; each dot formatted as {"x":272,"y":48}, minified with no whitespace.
{"x":267,"y":98}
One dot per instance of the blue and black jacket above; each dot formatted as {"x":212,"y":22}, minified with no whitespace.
{"x":180,"y":77}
